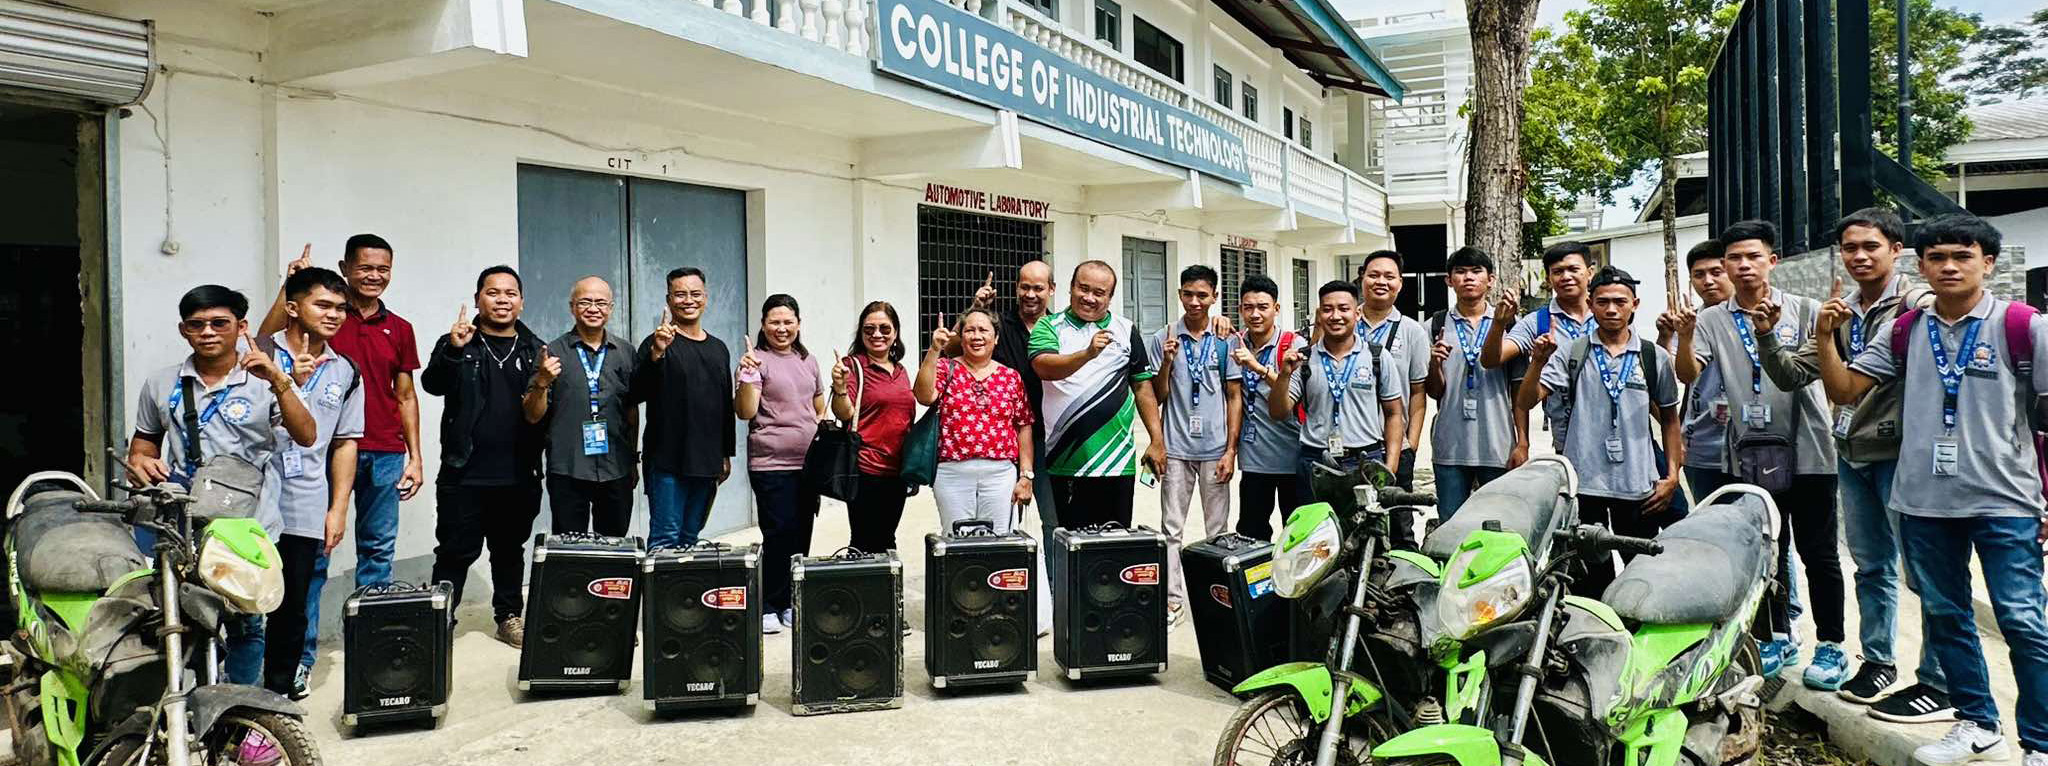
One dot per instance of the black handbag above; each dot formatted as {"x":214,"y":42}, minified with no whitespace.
{"x":832,"y":464}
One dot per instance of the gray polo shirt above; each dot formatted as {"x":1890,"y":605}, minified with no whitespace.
{"x":1995,"y":469}
{"x":1211,"y":353}
{"x":1363,"y":425}
{"x":1566,"y":329}
{"x":1484,"y":438}
{"x":569,"y":409}
{"x":245,"y":424}
{"x":1717,"y":342}
{"x":1404,"y":346}
{"x":1266,"y":445}
{"x":1706,"y":437}
{"x":1592,"y":420}
{"x":334,"y":396}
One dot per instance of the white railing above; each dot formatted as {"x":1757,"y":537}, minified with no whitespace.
{"x":838,"y":24}
{"x":1095,"y":55}
{"x":1366,"y":203}
{"x":1265,"y":152}
{"x":1315,"y":180}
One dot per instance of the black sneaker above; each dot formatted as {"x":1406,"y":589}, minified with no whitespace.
{"x":1918,"y":703}
{"x":1870,"y":683}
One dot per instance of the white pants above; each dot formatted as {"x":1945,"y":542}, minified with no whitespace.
{"x":980,"y":489}
{"x":1177,"y":486}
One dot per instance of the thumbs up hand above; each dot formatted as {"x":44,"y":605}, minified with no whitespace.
{"x":550,"y":368}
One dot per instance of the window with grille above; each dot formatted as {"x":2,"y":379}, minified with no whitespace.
{"x":1144,"y":283}
{"x":1223,"y":87}
{"x":1308,"y":136}
{"x":1155,"y":49}
{"x":1251,"y":102}
{"x":1304,"y":294}
{"x":1237,"y":265}
{"x":956,"y":250}
{"x":1109,"y":23}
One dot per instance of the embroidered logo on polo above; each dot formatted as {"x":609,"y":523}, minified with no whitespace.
{"x":237,"y":410}
{"x":1983,"y":359}
{"x":1787,"y":334}
{"x":330,"y":394}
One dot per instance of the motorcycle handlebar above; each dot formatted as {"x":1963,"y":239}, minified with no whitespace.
{"x":1599,"y":538}
{"x":120,"y":507}
{"x":1397,"y":496}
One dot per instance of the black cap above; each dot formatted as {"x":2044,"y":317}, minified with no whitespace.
{"x":1609,"y":275}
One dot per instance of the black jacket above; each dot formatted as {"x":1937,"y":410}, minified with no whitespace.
{"x":455,"y":373}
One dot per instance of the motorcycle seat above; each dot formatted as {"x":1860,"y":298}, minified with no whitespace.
{"x":60,"y":550}
{"x":1523,"y":500}
{"x":1710,"y":562}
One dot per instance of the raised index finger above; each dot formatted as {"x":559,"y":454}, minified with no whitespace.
{"x":1837,"y":291}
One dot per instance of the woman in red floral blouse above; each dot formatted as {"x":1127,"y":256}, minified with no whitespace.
{"x":984,"y":426}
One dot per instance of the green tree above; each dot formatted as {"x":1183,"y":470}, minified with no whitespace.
{"x":1938,"y":37}
{"x":2007,"y":60}
{"x":1564,"y":156}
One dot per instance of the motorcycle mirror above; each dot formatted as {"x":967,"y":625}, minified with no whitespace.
{"x":1376,"y":473}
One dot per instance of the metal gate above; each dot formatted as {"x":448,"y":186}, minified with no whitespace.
{"x":956,"y":250}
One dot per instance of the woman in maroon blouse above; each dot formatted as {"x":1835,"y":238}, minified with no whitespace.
{"x":872,"y":378}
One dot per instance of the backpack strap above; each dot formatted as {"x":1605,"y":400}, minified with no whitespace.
{"x":2019,"y":341}
{"x":1543,"y":319}
{"x":1574,"y":360}
{"x":1901,"y":340}
{"x":191,"y":435}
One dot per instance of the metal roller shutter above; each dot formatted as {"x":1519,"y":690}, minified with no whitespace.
{"x":74,"y":56}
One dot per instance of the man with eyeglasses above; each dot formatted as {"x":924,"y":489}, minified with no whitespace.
{"x":593,"y":422}
{"x":685,"y":375}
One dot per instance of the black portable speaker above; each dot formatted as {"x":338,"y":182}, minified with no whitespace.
{"x":848,"y":643}
{"x":397,"y":650}
{"x":1241,"y":626}
{"x":702,"y":621}
{"x":1110,"y":618}
{"x":581,"y":611}
{"x":981,"y":607}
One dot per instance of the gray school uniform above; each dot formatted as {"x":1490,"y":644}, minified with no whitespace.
{"x":1592,"y":420}
{"x":1363,"y":424}
{"x":1995,"y":470}
{"x":1717,"y":342}
{"x":1195,"y":396}
{"x":1479,"y":434}
{"x":245,"y":424}
{"x":1566,"y":329}
{"x":1706,"y":437}
{"x":334,"y":396}
{"x":1266,"y":445}
{"x":1403,"y":347}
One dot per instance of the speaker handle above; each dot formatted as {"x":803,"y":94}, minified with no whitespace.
{"x":974,"y":528}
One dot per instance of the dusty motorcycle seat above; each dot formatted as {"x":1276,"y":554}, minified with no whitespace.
{"x":1711,"y":559}
{"x":1523,"y":500}
{"x":60,"y":550}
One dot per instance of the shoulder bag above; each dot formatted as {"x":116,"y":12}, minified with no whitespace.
{"x":832,"y":464}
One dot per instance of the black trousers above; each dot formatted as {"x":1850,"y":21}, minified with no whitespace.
{"x":1593,"y":574}
{"x":874,"y":513}
{"x":284,"y":637}
{"x":579,"y":505}
{"x":1404,"y":477}
{"x":1807,"y":514}
{"x":469,"y":519}
{"x":1258,"y":494}
{"x":787,"y":511}
{"x":1089,"y":500}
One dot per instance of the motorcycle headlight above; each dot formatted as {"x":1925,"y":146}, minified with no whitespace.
{"x":1487,"y":581}
{"x":1306,"y":551}
{"x":239,"y":562}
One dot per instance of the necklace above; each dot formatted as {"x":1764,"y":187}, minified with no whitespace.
{"x":511,"y":347}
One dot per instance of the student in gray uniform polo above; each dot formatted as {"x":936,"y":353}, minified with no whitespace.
{"x":1351,"y":416}
{"x":219,"y":402}
{"x":1475,"y":428}
{"x":1706,"y":407}
{"x":1569,"y":315}
{"x":1403,"y":346}
{"x":1761,"y":412}
{"x":1612,"y":383}
{"x":1268,"y":448}
{"x":1203,"y":410}
{"x":1968,"y":480}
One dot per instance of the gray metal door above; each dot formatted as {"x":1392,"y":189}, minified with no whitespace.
{"x":571,"y":225}
{"x":1144,"y":282}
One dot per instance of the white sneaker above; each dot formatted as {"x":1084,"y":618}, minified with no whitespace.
{"x":1175,"y":614}
{"x":2035,"y":759}
{"x":1964,"y":743}
{"x":770,"y":624}
{"x":788,"y":617}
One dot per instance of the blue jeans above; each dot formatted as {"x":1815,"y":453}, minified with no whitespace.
{"x":1455,"y":483}
{"x":677,"y":507}
{"x":1938,"y":557}
{"x":244,"y":649}
{"x":1872,"y":531}
{"x":376,"y":491}
{"x":313,"y":589}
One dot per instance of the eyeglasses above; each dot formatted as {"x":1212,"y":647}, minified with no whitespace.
{"x":877,"y":329}
{"x":591,"y":303}
{"x":197,"y":326}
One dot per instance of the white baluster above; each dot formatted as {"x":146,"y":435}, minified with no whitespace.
{"x":835,"y":11}
{"x":786,"y":13}
{"x":974,"y":7}
{"x":810,"y":22}
{"x":706,"y":3}
{"x":760,"y":14}
{"x":857,"y":27}
{"x":734,"y":7}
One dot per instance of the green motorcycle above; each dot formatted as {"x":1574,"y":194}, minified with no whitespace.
{"x":102,"y":668}
{"x":1660,"y":672}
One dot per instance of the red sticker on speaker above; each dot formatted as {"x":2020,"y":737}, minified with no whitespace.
{"x":620,"y":588}
{"x":731,"y":597}
{"x":1141,"y":574}
{"x":1221,"y":594}
{"x":1010,"y":579}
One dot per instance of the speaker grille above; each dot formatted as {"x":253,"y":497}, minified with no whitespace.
{"x":703,"y":627}
{"x":848,"y":639}
{"x":396,"y":647}
{"x":1112,"y":618}
{"x":580,"y":620}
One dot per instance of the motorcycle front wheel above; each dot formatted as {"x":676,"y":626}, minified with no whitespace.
{"x":236,"y":740}
{"x":1275,"y":729}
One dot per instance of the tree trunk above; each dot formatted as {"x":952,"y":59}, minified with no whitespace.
{"x":1495,"y":177}
{"x":1668,"y":211}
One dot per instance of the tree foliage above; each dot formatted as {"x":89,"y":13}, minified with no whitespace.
{"x":2008,"y":60}
{"x":1938,"y":38}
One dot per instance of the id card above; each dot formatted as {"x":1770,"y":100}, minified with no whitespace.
{"x":1471,"y":409}
{"x":1842,"y":422}
{"x":1721,"y":411}
{"x":1195,"y":425}
{"x":1756,"y":415}
{"x":596,"y":440}
{"x":1336,"y":445}
{"x":294,"y":463}
{"x":1614,"y":449}
{"x":1945,"y":456}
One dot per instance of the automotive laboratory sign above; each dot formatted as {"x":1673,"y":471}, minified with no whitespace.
{"x":949,"y":48}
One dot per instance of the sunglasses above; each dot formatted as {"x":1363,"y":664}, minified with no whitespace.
{"x":196,"y":326}
{"x":877,"y":329}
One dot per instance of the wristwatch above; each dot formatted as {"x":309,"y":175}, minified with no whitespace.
{"x":1027,"y":475}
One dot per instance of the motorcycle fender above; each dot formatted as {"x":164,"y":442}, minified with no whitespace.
{"x":1462,"y":684}
{"x":63,"y":701}
{"x":1313,"y":682}
{"x":1655,"y":739}
{"x":1468,"y":745}
{"x":209,"y":703}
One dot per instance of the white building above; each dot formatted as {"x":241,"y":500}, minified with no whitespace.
{"x":838,"y":152}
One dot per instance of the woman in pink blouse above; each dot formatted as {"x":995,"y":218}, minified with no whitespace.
{"x":781,"y":395}
{"x":984,"y":426}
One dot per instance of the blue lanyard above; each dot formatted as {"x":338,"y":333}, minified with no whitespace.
{"x":1571,"y":328}
{"x":1856,"y":336}
{"x":1615,"y":381}
{"x":1196,"y":366}
{"x":1378,"y":335}
{"x":1339,"y":386}
{"x":1951,"y":376}
{"x":1468,"y":344}
{"x":1748,"y":336}
{"x":284,"y":361}
{"x":592,"y":371}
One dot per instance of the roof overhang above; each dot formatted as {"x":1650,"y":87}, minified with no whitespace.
{"x":1317,"y":39}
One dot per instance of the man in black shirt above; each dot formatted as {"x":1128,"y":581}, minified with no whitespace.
{"x":1034,"y":301}
{"x":685,"y":375}
{"x":488,"y":494}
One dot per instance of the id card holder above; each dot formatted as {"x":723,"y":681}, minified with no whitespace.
{"x":1945,"y":452}
{"x":1336,"y":445}
{"x":1471,"y":409}
{"x":1614,"y":452}
{"x":596,"y":440}
{"x":1842,"y":422}
{"x":1756,"y":415}
{"x":1195,"y":425}
{"x":1721,"y":411}
{"x":294,"y":463}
